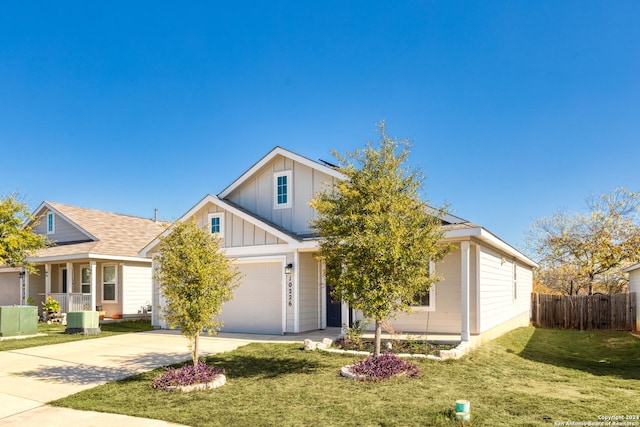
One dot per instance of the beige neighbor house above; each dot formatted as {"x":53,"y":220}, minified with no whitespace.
{"x":94,"y":263}
{"x":634,"y":287}
{"x":263,"y":218}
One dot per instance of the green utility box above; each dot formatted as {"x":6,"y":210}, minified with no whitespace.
{"x":18,"y":320}
{"x":82,"y":322}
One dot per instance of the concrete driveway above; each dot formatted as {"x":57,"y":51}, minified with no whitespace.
{"x":29,"y":378}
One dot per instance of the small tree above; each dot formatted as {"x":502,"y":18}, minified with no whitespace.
{"x":196,"y":279}
{"x":18,"y":241}
{"x":376,"y":236}
{"x":582,"y":250}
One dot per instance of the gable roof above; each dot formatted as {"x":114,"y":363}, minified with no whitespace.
{"x":109,"y":234}
{"x":231,"y":208}
{"x":279,"y":151}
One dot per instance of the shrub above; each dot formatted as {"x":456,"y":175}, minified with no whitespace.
{"x":187,"y":375}
{"x":384,"y":367}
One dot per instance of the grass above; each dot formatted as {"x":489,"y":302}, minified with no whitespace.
{"x":529,"y":377}
{"x":55,"y":334}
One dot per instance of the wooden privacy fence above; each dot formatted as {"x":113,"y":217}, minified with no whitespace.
{"x":584,"y":312}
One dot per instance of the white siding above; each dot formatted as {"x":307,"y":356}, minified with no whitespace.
{"x":634,"y":286}
{"x":309,"y":292}
{"x":136,"y":286}
{"x":237,"y":232}
{"x":447,"y":317}
{"x":256,"y":195}
{"x":497,"y":303}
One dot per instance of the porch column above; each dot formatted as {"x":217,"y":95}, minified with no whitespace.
{"x":344,"y":315}
{"x":464,"y":255}
{"x":69,"y":286}
{"x":323,"y":296}
{"x":25,"y":287}
{"x":92,"y":267}
{"x":47,"y":280}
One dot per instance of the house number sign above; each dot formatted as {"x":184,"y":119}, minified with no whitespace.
{"x":290,"y":291}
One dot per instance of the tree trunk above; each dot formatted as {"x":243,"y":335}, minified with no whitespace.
{"x":376,"y":348}
{"x":194,"y":353}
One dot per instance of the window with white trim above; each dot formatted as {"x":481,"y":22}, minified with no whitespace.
{"x":85,"y":280}
{"x":216,"y":223}
{"x":282,"y":190}
{"x":109,"y":283}
{"x":427,"y":301}
{"x":51,"y":223}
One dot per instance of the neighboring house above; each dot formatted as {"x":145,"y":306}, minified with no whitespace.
{"x":263,"y":218}
{"x":634,"y":287}
{"x":93,"y":264}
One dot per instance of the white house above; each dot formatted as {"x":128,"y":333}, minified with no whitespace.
{"x":263,"y":218}
{"x":94,"y":262}
{"x":634,"y":287}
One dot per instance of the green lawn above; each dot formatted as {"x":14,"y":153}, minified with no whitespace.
{"x":55,"y":334}
{"x":529,"y":377}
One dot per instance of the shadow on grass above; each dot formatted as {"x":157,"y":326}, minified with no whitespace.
{"x":245,"y":363}
{"x":615,"y":354}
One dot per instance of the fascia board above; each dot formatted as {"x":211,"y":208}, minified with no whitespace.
{"x":631,"y":268}
{"x":223,"y":205}
{"x":487,"y":237}
{"x":266,"y":159}
{"x":59,"y":258}
{"x":67,"y":219}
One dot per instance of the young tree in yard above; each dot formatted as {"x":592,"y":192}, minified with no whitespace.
{"x":586,"y":250}
{"x":376,"y":236}
{"x":17,"y":240}
{"x":195,"y":278}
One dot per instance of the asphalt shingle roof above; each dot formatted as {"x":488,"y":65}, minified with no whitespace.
{"x":117,"y":234}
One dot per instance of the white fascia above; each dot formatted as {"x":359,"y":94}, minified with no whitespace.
{"x":487,"y":237}
{"x":60,"y":258}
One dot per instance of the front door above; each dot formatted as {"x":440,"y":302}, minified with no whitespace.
{"x":64,"y":281}
{"x":334,"y":311}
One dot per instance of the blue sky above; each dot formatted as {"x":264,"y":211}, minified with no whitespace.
{"x":516,"y":109}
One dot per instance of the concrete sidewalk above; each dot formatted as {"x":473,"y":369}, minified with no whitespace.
{"x":31,"y":377}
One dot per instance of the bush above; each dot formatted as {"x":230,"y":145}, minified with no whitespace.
{"x":187,"y":375}
{"x":384,"y":367}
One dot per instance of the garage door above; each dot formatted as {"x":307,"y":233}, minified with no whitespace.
{"x":257,"y":305}
{"x":9,"y":288}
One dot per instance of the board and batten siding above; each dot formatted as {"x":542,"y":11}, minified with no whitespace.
{"x":499,"y":302}
{"x":63,"y":231}
{"x":237,"y":232}
{"x":309,"y":283}
{"x":136,"y":285}
{"x":257,"y":194}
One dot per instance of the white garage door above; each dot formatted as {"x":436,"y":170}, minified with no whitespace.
{"x":257,"y":305}
{"x":9,"y":288}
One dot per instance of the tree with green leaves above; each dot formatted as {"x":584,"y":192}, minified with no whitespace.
{"x":18,"y":241}
{"x":196,"y":279}
{"x":589,"y":250}
{"x":377,"y":237}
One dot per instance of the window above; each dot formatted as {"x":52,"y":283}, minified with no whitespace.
{"x":216,"y":223}
{"x":109,"y":283}
{"x":51,"y":223}
{"x":282,"y":190}
{"x":85,"y":280}
{"x":427,"y":301}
